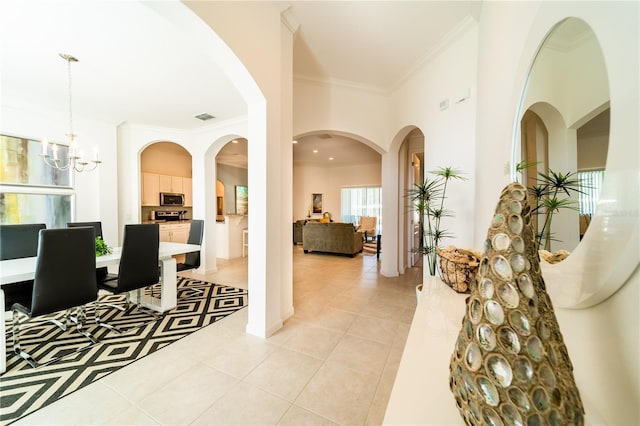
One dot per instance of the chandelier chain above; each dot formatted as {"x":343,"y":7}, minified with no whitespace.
{"x":71,"y":134}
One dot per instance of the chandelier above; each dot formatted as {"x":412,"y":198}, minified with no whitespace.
{"x":75,"y":160}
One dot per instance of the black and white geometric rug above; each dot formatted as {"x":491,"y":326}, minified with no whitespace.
{"x":24,"y":389}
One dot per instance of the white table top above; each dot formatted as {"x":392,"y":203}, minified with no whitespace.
{"x":421,"y":394}
{"x":23,"y":269}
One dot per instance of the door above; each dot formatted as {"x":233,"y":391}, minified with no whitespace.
{"x":416,"y":177}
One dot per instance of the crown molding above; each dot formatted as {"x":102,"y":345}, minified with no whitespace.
{"x":453,"y":35}
{"x":352,"y":85}
{"x":287,"y":18}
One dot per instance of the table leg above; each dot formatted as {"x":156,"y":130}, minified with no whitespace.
{"x":168,"y":289}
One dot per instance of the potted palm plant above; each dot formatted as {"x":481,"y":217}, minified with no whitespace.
{"x":428,"y":198}
{"x":551,"y":193}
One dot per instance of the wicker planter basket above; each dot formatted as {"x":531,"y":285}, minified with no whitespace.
{"x":458,"y":267}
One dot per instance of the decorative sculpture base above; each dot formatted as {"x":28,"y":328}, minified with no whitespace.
{"x":510,"y":364}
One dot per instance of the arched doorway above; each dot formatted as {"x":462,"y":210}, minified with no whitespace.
{"x":411,"y":161}
{"x":165,"y":167}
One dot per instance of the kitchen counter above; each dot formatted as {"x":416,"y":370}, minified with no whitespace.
{"x":229,"y":236}
{"x":169,"y":222}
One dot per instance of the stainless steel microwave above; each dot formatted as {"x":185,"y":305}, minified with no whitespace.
{"x":170,"y":199}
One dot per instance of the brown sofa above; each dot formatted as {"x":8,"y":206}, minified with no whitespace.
{"x":333,"y":237}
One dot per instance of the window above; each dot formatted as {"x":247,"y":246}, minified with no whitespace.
{"x":32,"y":192}
{"x":590,"y":185}
{"x":361,"y":201}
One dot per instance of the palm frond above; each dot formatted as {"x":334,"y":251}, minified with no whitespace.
{"x":555,"y":204}
{"x":525,"y":165}
{"x":558,"y":181}
{"x":449,"y":173}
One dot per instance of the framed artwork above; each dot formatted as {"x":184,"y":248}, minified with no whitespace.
{"x":242,"y":199}
{"x":52,"y":209}
{"x":22,"y":164}
{"x":317,"y":203}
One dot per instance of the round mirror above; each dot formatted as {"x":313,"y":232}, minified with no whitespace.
{"x":560,"y":151}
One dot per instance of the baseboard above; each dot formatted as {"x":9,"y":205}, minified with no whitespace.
{"x":259,"y":332}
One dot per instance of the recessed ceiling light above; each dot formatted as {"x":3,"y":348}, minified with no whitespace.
{"x":330,"y":158}
{"x":204,"y":116}
{"x":315,"y":151}
{"x":234,"y":141}
{"x":294,"y":141}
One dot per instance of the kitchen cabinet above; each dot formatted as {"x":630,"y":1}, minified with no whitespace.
{"x":150,"y":189}
{"x":187,"y":190}
{"x":153,"y":184}
{"x":171,"y":184}
{"x":175,"y":233}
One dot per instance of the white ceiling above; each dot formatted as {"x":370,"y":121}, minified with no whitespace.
{"x":136,"y":67}
{"x":371,"y":43}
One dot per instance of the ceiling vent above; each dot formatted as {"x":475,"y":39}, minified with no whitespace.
{"x":204,"y":116}
{"x":325,"y":136}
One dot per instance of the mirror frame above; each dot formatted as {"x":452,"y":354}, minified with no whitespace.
{"x":610,"y":249}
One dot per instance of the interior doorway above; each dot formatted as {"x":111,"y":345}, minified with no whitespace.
{"x":412,"y":157}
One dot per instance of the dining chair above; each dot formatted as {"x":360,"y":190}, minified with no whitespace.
{"x":18,"y":241}
{"x":138,"y":267}
{"x":65,"y":280}
{"x":192,"y":260}
{"x":102,"y":274}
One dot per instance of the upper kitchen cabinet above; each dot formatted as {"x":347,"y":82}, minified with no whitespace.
{"x":171,"y":184}
{"x":187,"y":190}
{"x":150,"y":189}
{"x":165,"y":167}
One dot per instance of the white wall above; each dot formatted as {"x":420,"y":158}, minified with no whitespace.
{"x":449,"y":134}
{"x":356,"y":110}
{"x":573,"y":82}
{"x":308,"y":180}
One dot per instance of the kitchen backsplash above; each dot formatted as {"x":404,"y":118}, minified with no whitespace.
{"x":146,"y":211}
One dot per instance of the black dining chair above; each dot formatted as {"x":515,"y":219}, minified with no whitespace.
{"x":138,"y":266}
{"x":65,"y":280}
{"x":102,"y":274}
{"x":192,"y":260}
{"x":18,"y":241}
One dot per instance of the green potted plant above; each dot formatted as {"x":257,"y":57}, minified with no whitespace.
{"x":551,"y":193}
{"x":427,"y":198}
{"x":101,"y":247}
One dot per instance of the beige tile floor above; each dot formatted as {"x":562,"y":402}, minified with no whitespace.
{"x":333,"y":362}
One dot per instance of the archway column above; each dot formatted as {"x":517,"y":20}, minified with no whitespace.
{"x":264,"y":221}
{"x":390,"y":199}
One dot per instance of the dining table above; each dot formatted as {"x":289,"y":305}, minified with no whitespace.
{"x":23,"y":269}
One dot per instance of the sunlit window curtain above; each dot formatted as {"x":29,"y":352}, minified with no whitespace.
{"x":590,"y":185}
{"x":361,"y":201}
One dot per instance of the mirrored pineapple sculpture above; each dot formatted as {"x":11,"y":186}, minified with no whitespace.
{"x":510,"y":365}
